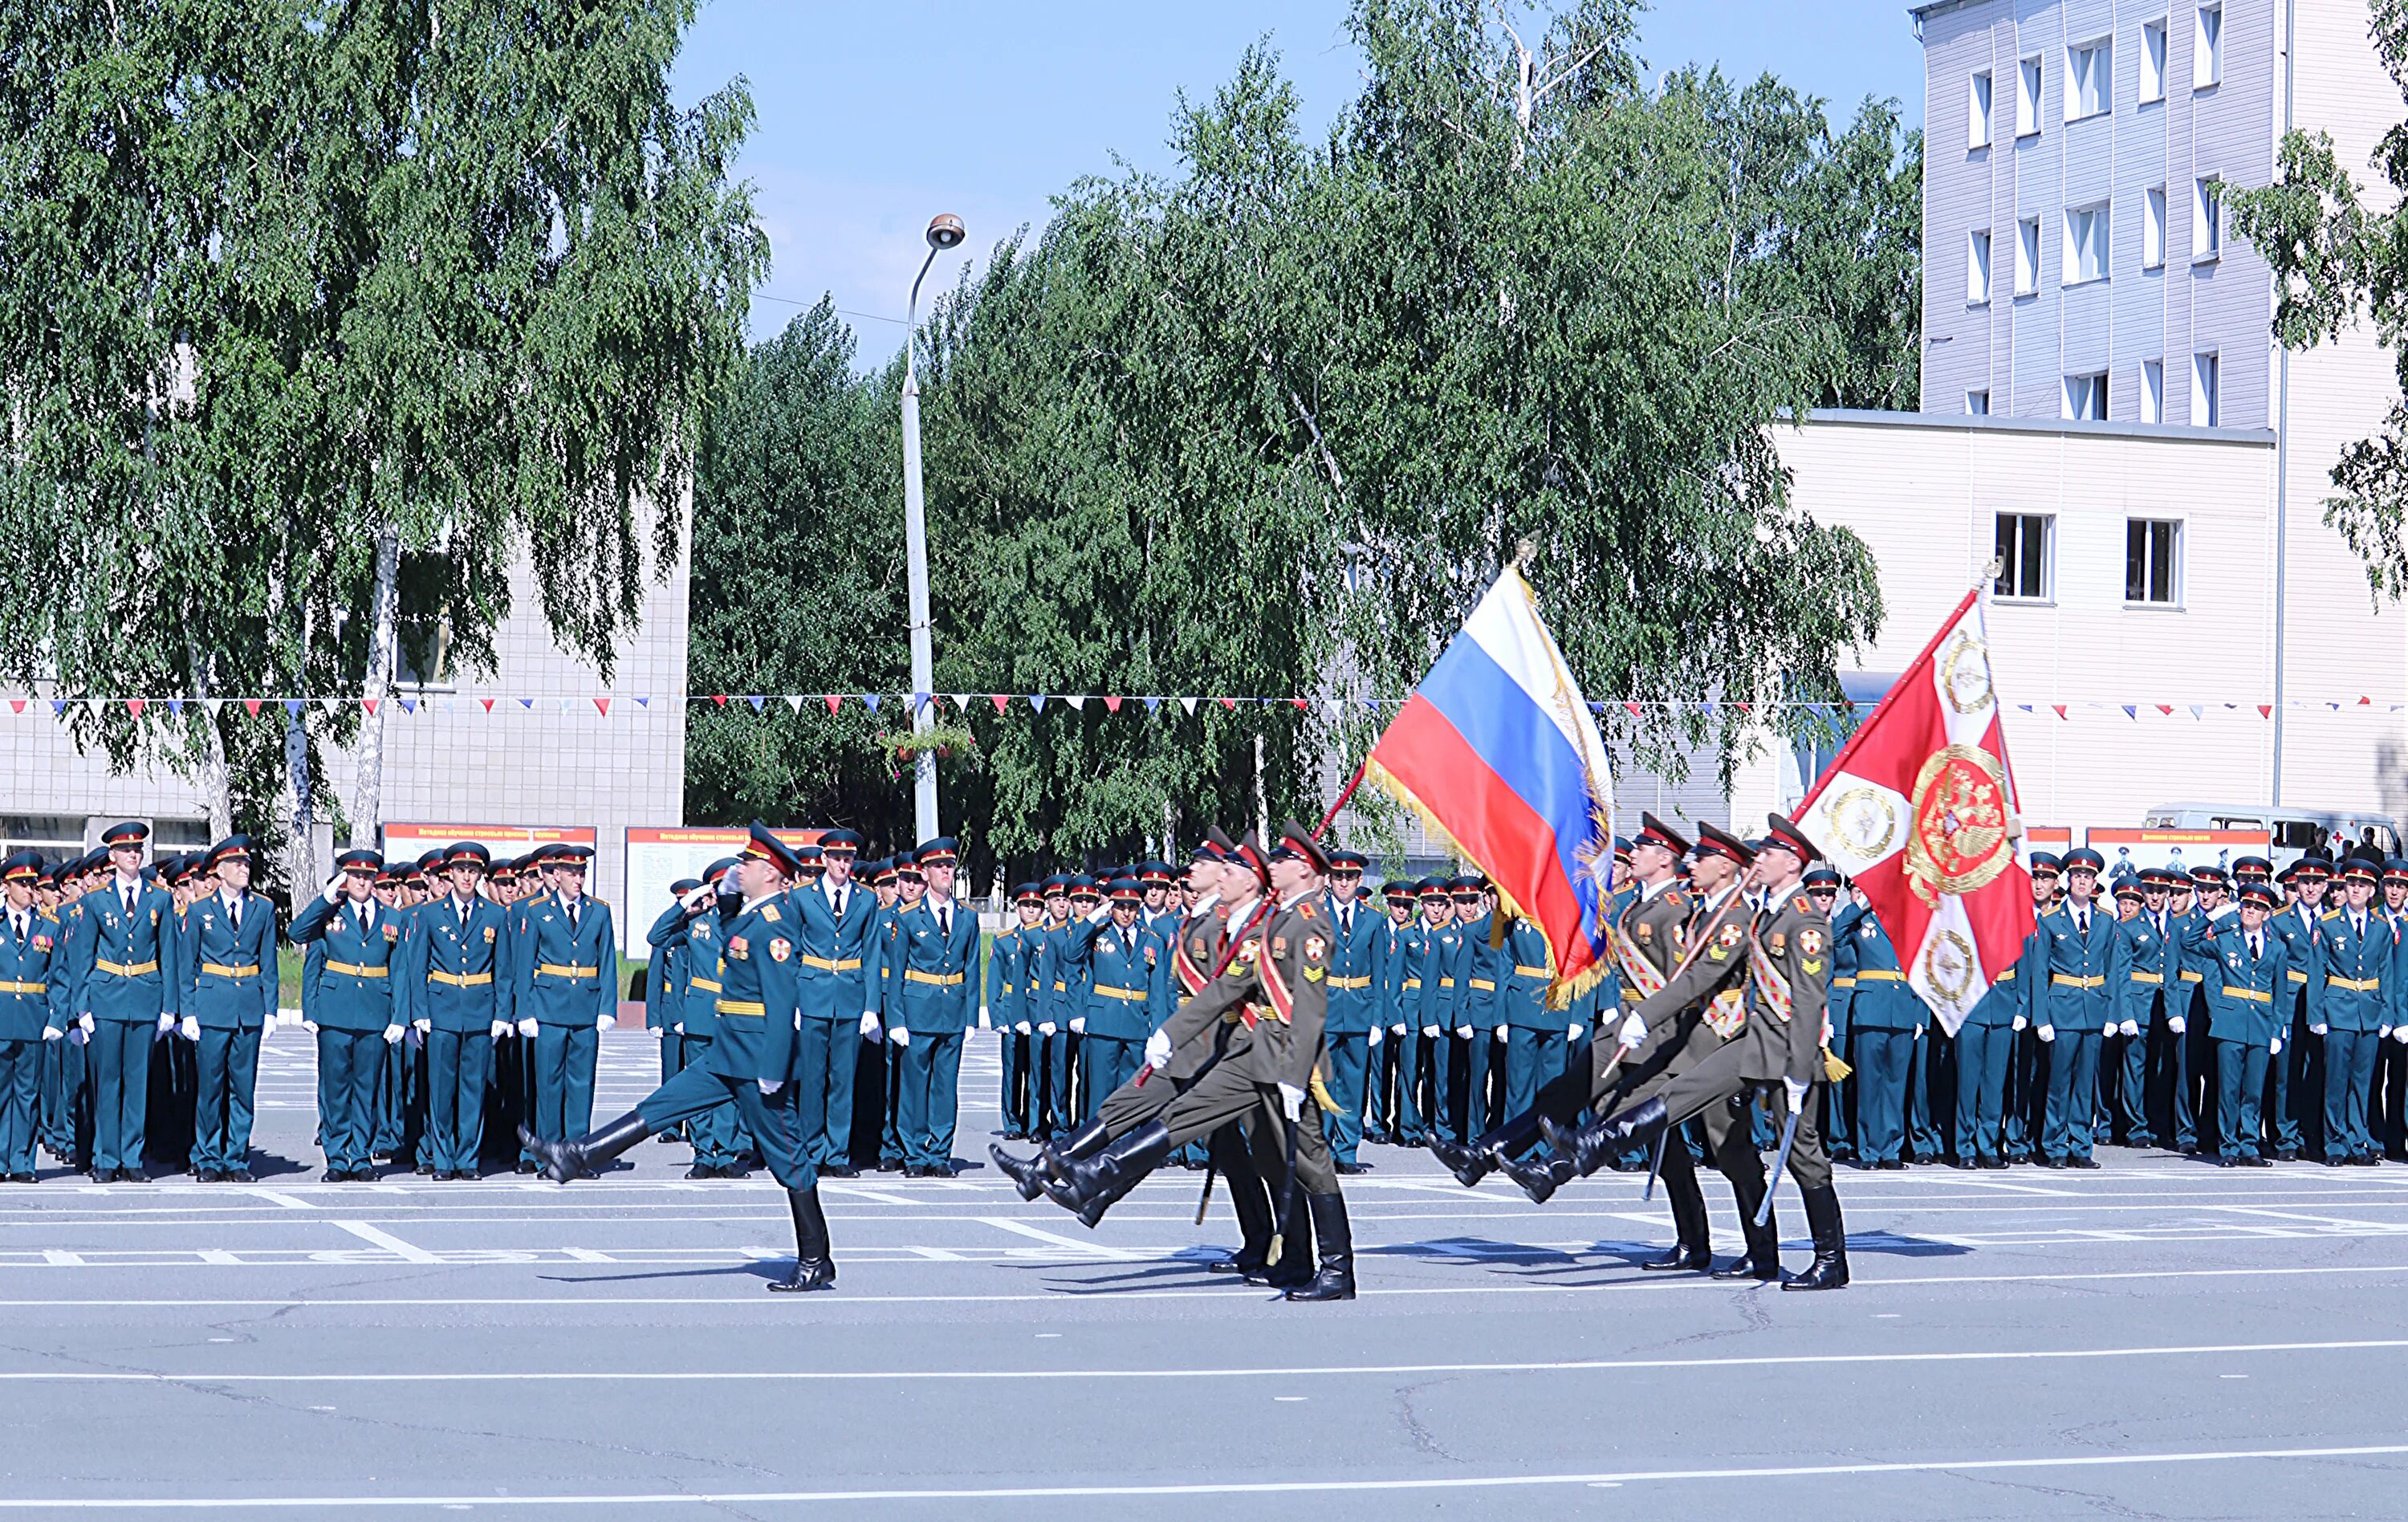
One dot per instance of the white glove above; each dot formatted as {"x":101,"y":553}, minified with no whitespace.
{"x":2317,"y":1030}
{"x":528,"y":1025}
{"x":900,"y":1035}
{"x":2176,"y":1024}
{"x":2385,"y":1031}
{"x":983,"y":1023}
{"x":2131,"y":1028}
{"x":167,"y":1024}
{"x":2400,"y":1034}
{"x":2019,"y":1022}
{"x":1463,"y":1031}
{"x":1918,"y":1032}
{"x":2274,"y":1047}
{"x":1796,"y":1092}
{"x":2048,"y":1033}
{"x":78,"y":1036}
{"x":771,"y":1085}
{"x":1572,"y":1033}
{"x":678,"y":1028}
{"x":1078,"y":1025}
{"x":189,"y":1028}
{"x":88,"y":1022}
{"x":1045,"y":1027}
{"x":309,"y":1026}
{"x":1291,"y":1101}
{"x":501,"y":1028}
{"x":2108,"y":1029}
{"x":335,"y":888}
{"x":424,"y":1026}
{"x":1632,"y":1034}
{"x":1430,"y":1031}
{"x":1157,"y":1049}
{"x":1501,"y":1032}
{"x":1025,"y":1029}
{"x":603,"y":1022}
{"x":51,"y":1033}
{"x":1396,"y":1030}
{"x":393,"y":1035}
{"x":868,"y":1026}
{"x":1377,"y":1034}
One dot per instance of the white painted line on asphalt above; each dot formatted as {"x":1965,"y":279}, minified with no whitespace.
{"x":1367,"y":1371}
{"x":387,"y":1241}
{"x":1220,"y":1487}
{"x":1085,"y":1249}
{"x":278,"y":1197}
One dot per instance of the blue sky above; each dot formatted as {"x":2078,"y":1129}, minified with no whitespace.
{"x":874,"y":117}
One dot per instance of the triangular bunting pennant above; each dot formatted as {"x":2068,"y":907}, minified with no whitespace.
{"x":795,"y":702}
{"x":292,"y":708}
{"x":2060,"y":711}
{"x":602,"y":706}
{"x":91,"y":706}
{"x":2131,"y":712}
{"x":832,"y":700}
{"x":919,"y":701}
{"x":720,"y":699}
{"x":1229,"y":703}
{"x":408,"y":705}
{"x":1080,"y":703}
{"x":527,"y":703}
{"x":17,"y":705}
{"x":1189,"y":704}
{"x":1112,"y":705}
{"x":869,"y":700}
{"x":175,"y":707}
{"x":370,"y":704}
{"x":1633,"y":708}
{"x":961,"y":701}
{"x":998,"y":699}
{"x":2366,"y":702}
{"x":1332,"y":710}
{"x":488,"y":704}
{"x":58,"y":709}
{"x":2199,"y":711}
{"x":1153,"y":703}
{"x":1299,"y":704}
{"x":756,"y":701}
{"x":2023,"y":708}
{"x":2166,"y":709}
{"x":217,"y":706}
{"x":1036,"y":701}
{"x":643,"y":702}
{"x":136,"y":705}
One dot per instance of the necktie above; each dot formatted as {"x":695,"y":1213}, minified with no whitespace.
{"x":572,"y":916}
{"x":132,"y":896}
{"x":2257,"y":948}
{"x":234,"y":913}
{"x":2080,"y":924}
{"x":839,"y":903}
{"x":20,"y":921}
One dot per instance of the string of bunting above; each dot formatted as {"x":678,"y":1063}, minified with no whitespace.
{"x":1001,"y":703}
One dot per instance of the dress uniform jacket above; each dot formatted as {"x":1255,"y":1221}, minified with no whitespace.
{"x":346,"y":970}
{"x":1879,"y":997}
{"x":2086,"y":973}
{"x":570,"y":974}
{"x":123,"y":971}
{"x":1526,"y":973}
{"x":831,"y":949}
{"x":2346,"y":984}
{"x":26,"y":991}
{"x":1128,"y":986}
{"x":932,"y":971}
{"x":1356,"y":939}
{"x":1006,"y":980}
{"x":759,"y":995}
{"x":691,"y":1007}
{"x":2242,"y":990}
{"x":1789,"y":968}
{"x":456,"y":970}
{"x":229,"y":972}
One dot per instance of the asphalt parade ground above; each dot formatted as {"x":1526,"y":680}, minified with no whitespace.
{"x":2156,"y":1338}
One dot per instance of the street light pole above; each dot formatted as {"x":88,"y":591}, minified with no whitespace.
{"x":945,"y":232}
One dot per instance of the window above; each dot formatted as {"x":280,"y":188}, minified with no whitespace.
{"x":1977,"y":127}
{"x":2086,"y":244}
{"x":2027,"y":97}
{"x":2207,"y":221}
{"x":2026,"y":256}
{"x":423,"y":655}
{"x":2153,"y":230}
{"x":1977,"y":403}
{"x":2153,"y":61}
{"x":2204,"y":409}
{"x":2026,"y":542}
{"x":2207,"y":48}
{"x":1977,"y":267}
{"x":2085,"y":398}
{"x":2152,"y":561}
{"x":2152,"y":391}
{"x":2090,"y":80}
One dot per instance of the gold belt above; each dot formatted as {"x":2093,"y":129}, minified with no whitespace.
{"x":1446,"y":982}
{"x":354,"y":969}
{"x":1484,"y":985}
{"x":1350,"y":982}
{"x":942,"y":980}
{"x":2355,"y":985}
{"x":2148,"y":977}
{"x":1411,"y":985}
{"x":125,"y":970}
{"x":1520,"y":971}
{"x":704,"y":983}
{"x":1847,"y":981}
{"x":460,"y":979}
{"x":827,"y":965}
{"x":2066,"y":980}
{"x":1131,"y":995}
{"x":217,"y":970}
{"x":24,"y":987}
{"x":557,"y":970}
{"x":1007,"y":990}
{"x":743,"y":1006}
{"x":1061,"y":987}
{"x":1887,"y":975}
{"x":2251,"y":995}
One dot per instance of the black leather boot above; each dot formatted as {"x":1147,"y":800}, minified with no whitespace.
{"x":815,"y":1264}
{"x":1831,"y":1269}
{"x":587,"y":1154}
{"x":1762,"y":1259}
{"x":1294,"y":1265}
{"x":1336,"y":1280}
{"x":1027,"y":1174}
{"x":1594,"y":1144}
{"x":1486,"y":1154}
{"x":1692,"y":1248}
{"x":1250,"y":1200}
{"x":1088,"y":1186}
{"x":1540,"y":1177}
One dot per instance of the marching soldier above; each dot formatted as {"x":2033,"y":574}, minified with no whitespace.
{"x":123,"y":997}
{"x":1008,"y":968}
{"x":1357,"y":935}
{"x":457,"y":958}
{"x":28,"y":1026}
{"x":351,"y":944}
{"x":936,"y":957}
{"x":568,"y":984}
{"x":229,"y":997}
{"x":756,"y":1063}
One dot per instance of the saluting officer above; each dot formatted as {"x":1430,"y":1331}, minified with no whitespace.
{"x":936,"y":952}
{"x":125,"y":998}
{"x":569,"y":984}
{"x":229,"y":977}
{"x":663,"y":982}
{"x":754,"y":1064}
{"x":28,"y":938}
{"x":1357,"y":932}
{"x":457,"y":960}
{"x":352,"y":942}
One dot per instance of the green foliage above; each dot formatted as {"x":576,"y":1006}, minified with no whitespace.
{"x":2334,"y":262}
{"x":1269,"y":425}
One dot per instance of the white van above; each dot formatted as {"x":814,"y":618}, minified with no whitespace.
{"x":2294,"y":830}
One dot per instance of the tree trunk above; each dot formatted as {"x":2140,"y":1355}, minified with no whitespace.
{"x":216,"y":784}
{"x":377,"y":688}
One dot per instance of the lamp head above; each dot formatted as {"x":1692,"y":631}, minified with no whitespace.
{"x":945,"y":231}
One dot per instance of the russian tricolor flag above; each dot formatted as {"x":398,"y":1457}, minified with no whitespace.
{"x":1498,"y":752}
